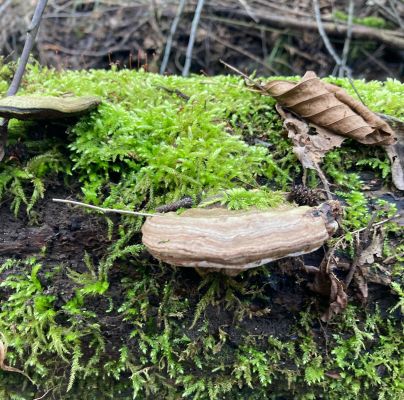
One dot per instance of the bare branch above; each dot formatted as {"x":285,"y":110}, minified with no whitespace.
{"x":347,"y":44}
{"x":192,"y":36}
{"x":15,"y":84}
{"x":169,"y":43}
{"x":4,"y":6}
{"x":105,"y":210}
{"x":323,"y":34}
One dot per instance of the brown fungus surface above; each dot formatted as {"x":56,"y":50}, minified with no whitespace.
{"x":234,"y":241}
{"x":49,"y":107}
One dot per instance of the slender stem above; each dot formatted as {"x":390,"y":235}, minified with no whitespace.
{"x":4,"y":6}
{"x":105,"y":210}
{"x":29,"y":43}
{"x":169,"y":43}
{"x":342,"y":238}
{"x":246,"y":77}
{"x":347,"y":44}
{"x":194,"y":27}
{"x":15,"y":83}
{"x":323,"y":34}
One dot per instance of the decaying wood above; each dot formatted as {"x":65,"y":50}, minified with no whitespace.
{"x":388,"y":37}
{"x":233,"y":241}
{"x":331,"y":108}
{"x":33,"y":240}
{"x":46,"y":107}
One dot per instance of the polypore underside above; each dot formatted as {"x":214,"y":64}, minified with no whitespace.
{"x":233,"y":241}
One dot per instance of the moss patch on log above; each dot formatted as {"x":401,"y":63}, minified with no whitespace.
{"x":108,"y":321}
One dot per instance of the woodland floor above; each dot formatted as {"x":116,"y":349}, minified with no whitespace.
{"x":94,"y":316}
{"x":68,"y":234}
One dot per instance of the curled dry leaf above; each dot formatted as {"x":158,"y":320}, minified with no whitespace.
{"x":331,"y":108}
{"x":327,"y":284}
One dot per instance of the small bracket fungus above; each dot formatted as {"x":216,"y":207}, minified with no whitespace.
{"x":43,"y":108}
{"x":233,"y":241}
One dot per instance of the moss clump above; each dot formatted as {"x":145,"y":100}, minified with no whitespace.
{"x":130,"y":328}
{"x":164,"y":354}
{"x":374,"y":22}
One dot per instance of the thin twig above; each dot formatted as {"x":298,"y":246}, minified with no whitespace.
{"x":372,"y":58}
{"x":15,"y":83}
{"x":341,"y":63}
{"x":105,"y":210}
{"x":347,"y":44}
{"x":358,"y":250}
{"x":246,"y":77}
{"x":396,"y":14}
{"x":244,"y":52}
{"x":44,"y":395}
{"x":324,"y":181}
{"x":174,"y":91}
{"x":192,"y":36}
{"x":4,"y":6}
{"x":342,"y":238}
{"x":323,"y":34}
{"x":169,"y":43}
{"x":248,"y":10}
{"x":390,"y":118}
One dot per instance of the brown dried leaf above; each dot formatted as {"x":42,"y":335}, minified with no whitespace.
{"x":375,"y":248}
{"x":309,"y":148}
{"x":368,"y":270}
{"x":362,"y":284}
{"x":376,"y":273}
{"x":338,"y":298}
{"x":333,"y":374}
{"x":327,"y":284}
{"x":332,"y":108}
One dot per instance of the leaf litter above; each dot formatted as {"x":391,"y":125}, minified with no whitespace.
{"x":318,"y":117}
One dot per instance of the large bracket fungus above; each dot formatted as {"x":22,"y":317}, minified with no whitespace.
{"x":234,"y":241}
{"x":48,"y":107}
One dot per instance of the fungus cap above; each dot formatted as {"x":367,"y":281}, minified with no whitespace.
{"x":47,"y":107}
{"x":233,"y":241}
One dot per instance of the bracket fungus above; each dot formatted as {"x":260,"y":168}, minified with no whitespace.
{"x":234,"y":241}
{"x":48,"y":107}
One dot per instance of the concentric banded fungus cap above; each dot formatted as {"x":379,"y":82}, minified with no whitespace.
{"x":233,"y":241}
{"x":44,"y":108}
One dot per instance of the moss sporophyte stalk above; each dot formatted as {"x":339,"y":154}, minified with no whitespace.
{"x":109,"y":321}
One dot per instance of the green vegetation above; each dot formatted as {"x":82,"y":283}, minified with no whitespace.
{"x":154,"y":332}
{"x":374,"y":22}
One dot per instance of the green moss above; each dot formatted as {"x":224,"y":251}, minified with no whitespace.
{"x":162,"y":357}
{"x":142,"y":148}
{"x":374,"y":22}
